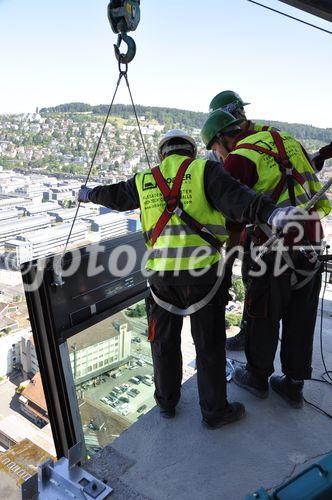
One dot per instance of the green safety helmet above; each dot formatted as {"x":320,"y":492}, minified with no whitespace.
{"x":227,"y":101}
{"x":219,"y":122}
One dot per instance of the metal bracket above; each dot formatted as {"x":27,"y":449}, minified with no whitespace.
{"x":64,"y":479}
{"x":57,"y":271}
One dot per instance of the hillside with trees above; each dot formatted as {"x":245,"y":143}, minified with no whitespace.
{"x":172,"y":117}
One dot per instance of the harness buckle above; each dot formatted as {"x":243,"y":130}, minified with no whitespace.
{"x":172,"y":202}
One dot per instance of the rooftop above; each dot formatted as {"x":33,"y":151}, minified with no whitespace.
{"x":17,"y":428}
{"x":34,"y":392}
{"x":163,"y":459}
{"x":101,"y":332}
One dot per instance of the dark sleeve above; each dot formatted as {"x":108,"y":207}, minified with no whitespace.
{"x":242,"y":169}
{"x":121,"y":196}
{"x":234,"y":200}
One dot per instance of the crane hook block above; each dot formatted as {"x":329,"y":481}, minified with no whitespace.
{"x":124,"y":15}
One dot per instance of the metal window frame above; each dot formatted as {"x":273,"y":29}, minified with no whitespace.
{"x":52,"y":350}
{"x":319,"y":8}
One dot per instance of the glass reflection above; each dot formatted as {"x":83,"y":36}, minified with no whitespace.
{"x":112,"y":368}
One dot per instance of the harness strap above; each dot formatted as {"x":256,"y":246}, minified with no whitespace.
{"x":193,"y":308}
{"x":286,"y":165}
{"x":173,"y":206}
{"x":288,"y":172}
{"x":171,"y":196}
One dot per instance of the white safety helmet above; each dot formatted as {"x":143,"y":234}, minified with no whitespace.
{"x":173,"y":134}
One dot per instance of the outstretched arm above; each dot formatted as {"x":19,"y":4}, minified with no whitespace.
{"x":233,"y":199}
{"x":121,"y":196}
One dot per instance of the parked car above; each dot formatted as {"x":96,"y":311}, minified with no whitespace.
{"x":124,"y":399}
{"x":141,"y":408}
{"x":134,"y":380}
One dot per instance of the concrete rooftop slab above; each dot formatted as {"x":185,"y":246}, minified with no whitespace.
{"x":158,"y":459}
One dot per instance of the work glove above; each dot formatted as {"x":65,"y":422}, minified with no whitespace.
{"x":325,"y":153}
{"x":280,"y":217}
{"x":83,"y":194}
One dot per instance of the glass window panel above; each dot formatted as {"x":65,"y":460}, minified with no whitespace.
{"x":114,"y":393}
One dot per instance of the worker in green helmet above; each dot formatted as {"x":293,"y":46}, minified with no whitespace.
{"x":275,"y":164}
{"x":183,"y":202}
{"x":231,"y":102}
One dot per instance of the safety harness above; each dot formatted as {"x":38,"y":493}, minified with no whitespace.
{"x":288,"y":175}
{"x":287,"y":170}
{"x":172,"y":197}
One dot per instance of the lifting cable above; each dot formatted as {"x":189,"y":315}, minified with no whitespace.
{"x":124,"y":15}
{"x":291,"y":17}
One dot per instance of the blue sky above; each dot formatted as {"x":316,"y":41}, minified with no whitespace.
{"x":187,"y":51}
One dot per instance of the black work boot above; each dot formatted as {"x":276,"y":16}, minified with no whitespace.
{"x":237,"y":342}
{"x":251,"y":382}
{"x":232,"y":413}
{"x":289,"y":389}
{"x":167,"y":413}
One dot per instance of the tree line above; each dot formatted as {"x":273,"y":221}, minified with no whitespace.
{"x":171,"y":117}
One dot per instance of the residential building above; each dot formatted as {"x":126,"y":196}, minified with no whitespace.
{"x":10,"y":353}
{"x":42,"y":243}
{"x":134,"y":221}
{"x":40,"y":208}
{"x":15,"y":428}
{"x":109,"y":225}
{"x":10,"y":229}
{"x":32,"y":402}
{"x":31,"y":190}
{"x":61,"y":194}
{"x":10,"y":201}
{"x":101,"y":348}
{"x":10,"y":213}
{"x":7,"y":323}
{"x":68,"y":214}
{"x":28,"y":356}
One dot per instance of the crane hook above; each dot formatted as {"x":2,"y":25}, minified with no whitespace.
{"x":124,"y":16}
{"x":125,"y":58}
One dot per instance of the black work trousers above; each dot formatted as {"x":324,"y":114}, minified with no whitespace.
{"x":208,"y":332}
{"x":270,"y":300}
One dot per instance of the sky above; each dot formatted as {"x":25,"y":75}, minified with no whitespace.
{"x":187,"y":51}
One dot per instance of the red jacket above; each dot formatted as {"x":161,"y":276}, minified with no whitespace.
{"x":245,"y":171}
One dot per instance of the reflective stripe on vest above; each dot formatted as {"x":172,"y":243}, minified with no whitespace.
{"x":269,"y":174}
{"x":176,"y":234}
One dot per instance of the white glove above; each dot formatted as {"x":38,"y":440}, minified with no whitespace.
{"x":280,"y":217}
